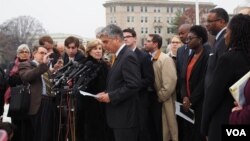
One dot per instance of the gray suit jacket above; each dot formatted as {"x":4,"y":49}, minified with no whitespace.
{"x":31,"y":73}
{"x":123,"y":85}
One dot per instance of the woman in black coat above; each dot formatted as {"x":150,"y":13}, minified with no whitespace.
{"x":21,"y":123}
{"x":90,"y":116}
{"x":192,"y":89}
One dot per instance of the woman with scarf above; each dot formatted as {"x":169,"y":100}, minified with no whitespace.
{"x":23,"y":54}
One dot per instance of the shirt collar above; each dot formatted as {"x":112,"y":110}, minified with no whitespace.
{"x":119,"y":50}
{"x":35,"y":62}
{"x":155,"y":55}
{"x":218,"y":35}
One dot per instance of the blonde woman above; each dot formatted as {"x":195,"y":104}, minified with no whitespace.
{"x":174,"y":45}
{"x":91,"y":122}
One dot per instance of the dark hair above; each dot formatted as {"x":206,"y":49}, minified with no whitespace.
{"x":44,"y":39}
{"x":72,"y":39}
{"x":200,"y":31}
{"x":156,"y":39}
{"x":129,"y":30}
{"x":220,"y":13}
{"x":35,"y":48}
{"x":240,"y":32}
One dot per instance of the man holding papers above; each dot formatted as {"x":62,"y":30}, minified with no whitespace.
{"x":122,"y":86}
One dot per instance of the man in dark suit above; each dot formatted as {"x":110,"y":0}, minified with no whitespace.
{"x":182,"y":57}
{"x":42,"y":107}
{"x":146,"y":83}
{"x":123,"y":83}
{"x":217,"y":20}
{"x":216,"y":24}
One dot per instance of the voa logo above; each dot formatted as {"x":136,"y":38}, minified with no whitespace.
{"x":236,"y":132}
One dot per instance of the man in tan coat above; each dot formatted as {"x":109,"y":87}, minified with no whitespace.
{"x":165,"y":83}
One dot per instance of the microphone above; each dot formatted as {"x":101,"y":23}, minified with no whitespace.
{"x":76,"y":73}
{"x":65,"y":66}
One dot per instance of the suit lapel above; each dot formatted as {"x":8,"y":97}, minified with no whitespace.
{"x":118,"y":59}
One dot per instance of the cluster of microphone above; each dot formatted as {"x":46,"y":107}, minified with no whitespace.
{"x":74,"y":71}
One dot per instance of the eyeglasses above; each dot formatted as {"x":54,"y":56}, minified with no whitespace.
{"x":127,"y":37}
{"x":24,"y":52}
{"x":211,"y":21}
{"x":190,"y":39}
{"x":149,"y":41}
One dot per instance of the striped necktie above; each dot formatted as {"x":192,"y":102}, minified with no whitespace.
{"x":48,"y":83}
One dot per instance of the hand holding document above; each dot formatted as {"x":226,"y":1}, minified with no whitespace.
{"x":237,"y":89}
{"x":88,"y":94}
{"x":189,"y":116}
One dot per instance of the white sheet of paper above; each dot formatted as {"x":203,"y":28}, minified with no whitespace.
{"x":88,"y":94}
{"x":237,"y":89}
{"x":179,"y":113}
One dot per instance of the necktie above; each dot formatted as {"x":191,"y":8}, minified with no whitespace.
{"x":113,"y":58}
{"x":48,"y":84}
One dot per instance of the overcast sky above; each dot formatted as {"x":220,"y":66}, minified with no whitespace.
{"x":79,"y":17}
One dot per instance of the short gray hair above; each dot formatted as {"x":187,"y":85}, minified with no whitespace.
{"x":21,"y":47}
{"x":112,"y":30}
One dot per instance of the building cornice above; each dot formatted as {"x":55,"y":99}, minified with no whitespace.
{"x":154,"y":3}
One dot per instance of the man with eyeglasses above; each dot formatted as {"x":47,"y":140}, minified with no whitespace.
{"x":146,"y":84}
{"x":217,"y":20}
{"x":42,"y":105}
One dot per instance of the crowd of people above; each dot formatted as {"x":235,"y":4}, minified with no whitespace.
{"x":136,"y":89}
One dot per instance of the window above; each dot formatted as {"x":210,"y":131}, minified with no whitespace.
{"x":168,"y":20}
{"x":142,"y":30}
{"x":144,"y":9}
{"x":159,"y":19}
{"x":146,"y":30}
{"x":154,"y":19}
{"x":157,"y":30}
{"x":142,"y":42}
{"x":144,"y":19}
{"x":132,"y":19}
{"x":128,"y":19}
{"x":130,"y":8}
{"x":170,"y":30}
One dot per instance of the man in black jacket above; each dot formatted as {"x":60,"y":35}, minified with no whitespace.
{"x":146,"y":83}
{"x":217,"y":20}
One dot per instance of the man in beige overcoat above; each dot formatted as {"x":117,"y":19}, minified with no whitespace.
{"x":165,"y":83}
